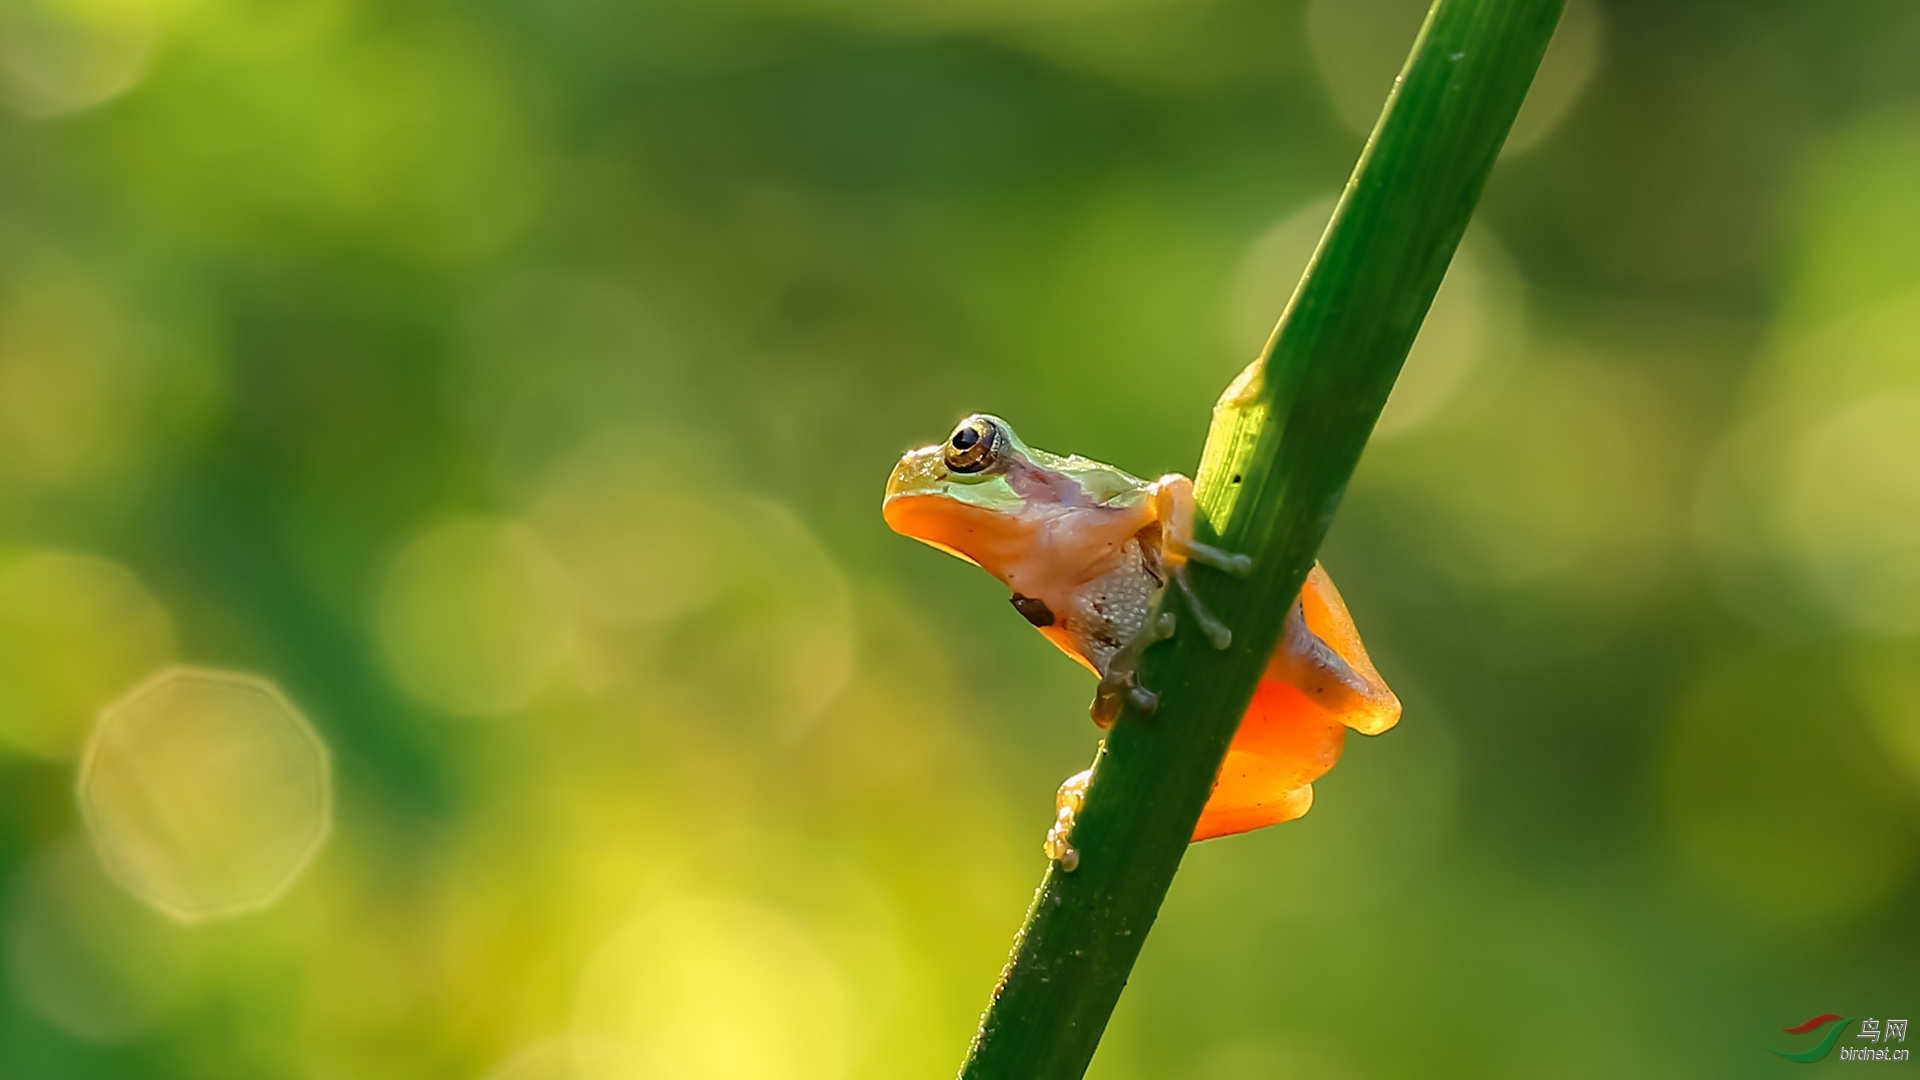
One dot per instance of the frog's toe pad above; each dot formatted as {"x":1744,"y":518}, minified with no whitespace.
{"x":1066,"y":805}
{"x":1144,"y":701}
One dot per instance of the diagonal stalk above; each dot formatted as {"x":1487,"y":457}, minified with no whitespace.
{"x":1285,"y":438}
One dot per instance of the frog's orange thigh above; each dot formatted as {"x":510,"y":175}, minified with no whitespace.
{"x":1220,"y":819}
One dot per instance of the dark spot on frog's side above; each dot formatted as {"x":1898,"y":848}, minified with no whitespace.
{"x":1034,"y":611}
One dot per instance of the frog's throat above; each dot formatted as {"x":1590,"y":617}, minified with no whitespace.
{"x":982,"y":537}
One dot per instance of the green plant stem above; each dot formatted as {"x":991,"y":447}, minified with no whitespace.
{"x":1284,"y":441}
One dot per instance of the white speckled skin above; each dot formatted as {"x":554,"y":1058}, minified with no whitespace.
{"x":1107,"y":611}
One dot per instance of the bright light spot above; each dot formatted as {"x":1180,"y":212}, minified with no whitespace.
{"x":1265,"y":1060}
{"x":86,"y":391}
{"x":74,"y":630}
{"x":581,"y":1059}
{"x":1361,"y":45}
{"x":474,"y":617}
{"x":932,"y":17}
{"x":1857,"y":227}
{"x":1469,"y":320}
{"x":428,"y":145}
{"x":719,"y":990}
{"x":1453,"y":342}
{"x":716,"y":605}
{"x":1568,"y":473}
{"x":62,"y":56}
{"x":1561,"y":474}
{"x":86,"y":959}
{"x":617,"y":527}
{"x":776,"y":647}
{"x":1891,"y":683}
{"x":1572,"y":57}
{"x":206,"y":793}
{"x":1796,"y":530}
{"x":1732,"y":527}
{"x":1852,"y":504}
{"x":1268,"y":273}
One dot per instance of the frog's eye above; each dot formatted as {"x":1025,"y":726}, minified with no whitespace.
{"x":972,"y":446}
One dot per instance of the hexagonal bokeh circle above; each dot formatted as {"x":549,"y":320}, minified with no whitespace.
{"x":206,"y":793}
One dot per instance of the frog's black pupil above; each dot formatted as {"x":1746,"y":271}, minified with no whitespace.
{"x":965,"y":438}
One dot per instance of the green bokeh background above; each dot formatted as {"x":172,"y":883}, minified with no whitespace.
{"x":512,"y":384}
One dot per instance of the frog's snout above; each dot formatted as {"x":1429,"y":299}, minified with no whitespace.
{"x":913,"y":503}
{"x":920,"y":504}
{"x":921,"y":472}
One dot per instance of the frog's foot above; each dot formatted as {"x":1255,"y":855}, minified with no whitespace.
{"x":1120,"y":683}
{"x":1173,"y":508}
{"x":1117,"y":689}
{"x":1218,"y":635}
{"x":1066,"y":804}
{"x":1311,"y":665}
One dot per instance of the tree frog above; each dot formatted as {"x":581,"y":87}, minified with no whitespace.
{"x":1087,"y":550}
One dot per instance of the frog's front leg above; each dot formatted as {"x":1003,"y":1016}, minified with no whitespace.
{"x":1173,"y":507}
{"x":1120,"y":682}
{"x":1219,"y":635}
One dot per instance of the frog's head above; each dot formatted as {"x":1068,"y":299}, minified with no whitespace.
{"x":983,"y":494}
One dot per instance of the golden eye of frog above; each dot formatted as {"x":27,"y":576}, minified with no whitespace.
{"x":1087,"y":549}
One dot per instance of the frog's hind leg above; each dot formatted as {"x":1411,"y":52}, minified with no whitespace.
{"x":1285,"y":742}
{"x":1310,"y":664}
{"x":1318,"y":684}
{"x":1320,"y":654}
